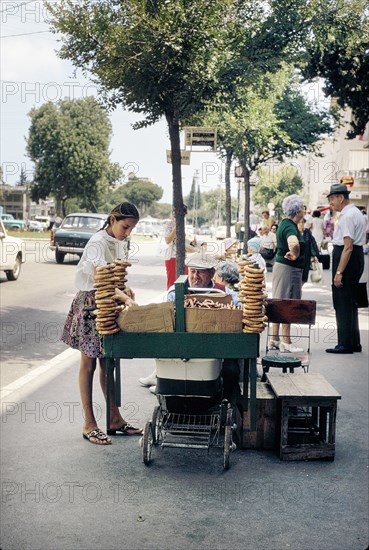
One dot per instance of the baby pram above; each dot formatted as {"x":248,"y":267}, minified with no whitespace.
{"x":191,"y":412}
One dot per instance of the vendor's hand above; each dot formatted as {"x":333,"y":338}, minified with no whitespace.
{"x":315,"y":259}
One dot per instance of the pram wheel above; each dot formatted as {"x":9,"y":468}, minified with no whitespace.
{"x":228,"y":439}
{"x":147,"y":443}
{"x":155,"y":425}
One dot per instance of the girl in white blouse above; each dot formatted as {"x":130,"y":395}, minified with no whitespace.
{"x":80,"y":331}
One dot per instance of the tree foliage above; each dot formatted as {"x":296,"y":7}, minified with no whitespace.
{"x":275,"y":184}
{"x":269,"y":121}
{"x":171,"y":57}
{"x":338,"y":52}
{"x":69,"y":144}
{"x":142,"y":193}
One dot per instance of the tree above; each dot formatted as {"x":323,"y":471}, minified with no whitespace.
{"x":338,"y":52}
{"x":69,"y":144}
{"x":275,"y":184}
{"x":169,"y":58}
{"x":271,"y":120}
{"x":142,"y":193}
{"x":22,"y":177}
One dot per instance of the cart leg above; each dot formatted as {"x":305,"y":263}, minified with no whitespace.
{"x":110,"y":365}
{"x":245,"y":388}
{"x":252,"y":366}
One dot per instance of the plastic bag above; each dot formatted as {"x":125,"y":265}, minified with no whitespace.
{"x":317,"y":270}
{"x":164,"y":250}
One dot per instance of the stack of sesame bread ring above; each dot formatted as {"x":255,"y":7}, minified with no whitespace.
{"x":107,"y":278}
{"x":252,"y":295}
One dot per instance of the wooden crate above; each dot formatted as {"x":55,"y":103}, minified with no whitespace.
{"x":306,"y":416}
{"x":264,"y":437}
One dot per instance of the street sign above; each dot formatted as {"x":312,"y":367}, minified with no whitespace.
{"x":200,"y":136}
{"x":185,"y":157}
{"x":347,"y":180}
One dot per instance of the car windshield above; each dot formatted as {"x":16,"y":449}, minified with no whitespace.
{"x":82,"y":222}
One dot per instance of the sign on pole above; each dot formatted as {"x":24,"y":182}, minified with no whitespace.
{"x":200,"y":136}
{"x":185,"y":157}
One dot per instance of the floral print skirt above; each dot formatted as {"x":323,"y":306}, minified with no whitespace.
{"x":80,"y":329}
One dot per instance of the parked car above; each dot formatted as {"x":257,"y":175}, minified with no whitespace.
{"x":148,"y":229}
{"x":10,"y":222}
{"x":33,"y":225}
{"x":44,"y":221}
{"x":205,"y":230}
{"x":220,"y":232}
{"x":74,"y":233}
{"x":12,"y":254}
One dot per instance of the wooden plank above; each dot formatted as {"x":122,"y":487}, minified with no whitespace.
{"x":182,"y":345}
{"x":181,"y":286}
{"x":302,"y":385}
{"x":264,"y":437}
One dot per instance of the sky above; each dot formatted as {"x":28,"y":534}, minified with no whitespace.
{"x":32,"y":74}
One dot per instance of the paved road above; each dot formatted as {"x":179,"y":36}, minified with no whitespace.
{"x":33,"y":308}
{"x":60,"y":492}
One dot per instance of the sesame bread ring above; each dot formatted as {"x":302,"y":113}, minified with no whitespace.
{"x":251,"y":269}
{"x":261,"y":317}
{"x":251,"y":322}
{"x":106,"y":316}
{"x":253,"y":298}
{"x":122,"y":262}
{"x":107,"y":332}
{"x":255,"y":277}
{"x":104,"y":276}
{"x":103,"y":294}
{"x":105,"y":326}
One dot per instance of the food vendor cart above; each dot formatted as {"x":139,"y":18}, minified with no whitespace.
{"x":184,"y":345}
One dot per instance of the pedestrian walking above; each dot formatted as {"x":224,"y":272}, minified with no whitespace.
{"x":317,"y":228}
{"x":347,"y":268}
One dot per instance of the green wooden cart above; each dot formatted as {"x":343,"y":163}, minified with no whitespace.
{"x":183,"y":345}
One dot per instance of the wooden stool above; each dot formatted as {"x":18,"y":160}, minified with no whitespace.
{"x":306,"y":416}
{"x":283,"y":362}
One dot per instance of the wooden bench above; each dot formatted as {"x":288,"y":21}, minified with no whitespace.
{"x":306,"y":415}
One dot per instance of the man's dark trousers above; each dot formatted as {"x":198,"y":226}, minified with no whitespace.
{"x":345,"y":298}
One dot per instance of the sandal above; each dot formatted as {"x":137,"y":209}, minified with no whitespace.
{"x":125,"y":430}
{"x":97,"y":434}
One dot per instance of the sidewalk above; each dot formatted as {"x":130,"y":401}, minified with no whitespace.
{"x":60,"y":492}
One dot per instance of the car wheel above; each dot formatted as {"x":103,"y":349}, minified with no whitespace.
{"x":59,"y":257}
{"x":13,"y":274}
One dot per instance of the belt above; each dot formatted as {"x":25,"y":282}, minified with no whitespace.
{"x":342,"y":246}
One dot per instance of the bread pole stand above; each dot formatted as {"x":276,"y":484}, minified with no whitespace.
{"x":183,"y":345}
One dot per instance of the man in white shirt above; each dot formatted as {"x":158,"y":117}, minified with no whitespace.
{"x":347,"y":268}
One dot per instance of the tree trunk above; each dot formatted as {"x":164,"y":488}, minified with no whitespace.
{"x":246,"y":174}
{"x":173,"y":126}
{"x":228,"y":208}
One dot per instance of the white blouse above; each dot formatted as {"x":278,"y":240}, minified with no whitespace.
{"x":100,"y":250}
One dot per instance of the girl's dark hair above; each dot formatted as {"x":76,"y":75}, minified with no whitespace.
{"x":316,"y":214}
{"x":123,"y":211}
